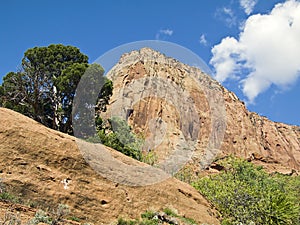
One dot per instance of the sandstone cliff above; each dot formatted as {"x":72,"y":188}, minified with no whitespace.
{"x":176,"y":106}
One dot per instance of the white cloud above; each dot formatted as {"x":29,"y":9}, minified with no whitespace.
{"x":266,"y":53}
{"x":164,"y":33}
{"x":224,"y":60}
{"x":167,"y":32}
{"x":226,"y":15}
{"x":227,"y":11}
{"x":203,"y":40}
{"x":248,"y":5}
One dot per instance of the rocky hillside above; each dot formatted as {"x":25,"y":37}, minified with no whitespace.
{"x":185,"y":117}
{"x":35,"y":162}
{"x":174,"y":106}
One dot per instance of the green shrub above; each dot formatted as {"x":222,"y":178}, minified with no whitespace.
{"x":6,"y":196}
{"x":170,"y":212}
{"x":153,"y":218}
{"x":245,"y":194}
{"x":61,"y":211}
{"x":144,"y":221}
{"x":74,"y":218}
{"x":121,"y":138}
{"x":186,"y":174}
{"x":117,"y":134}
{"x":56,"y":217}
{"x":9,"y":197}
{"x":121,"y":221}
{"x":149,"y":158}
{"x":40,"y":217}
{"x":148,"y":215}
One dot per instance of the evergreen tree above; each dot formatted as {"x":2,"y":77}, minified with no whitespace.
{"x":45,"y":86}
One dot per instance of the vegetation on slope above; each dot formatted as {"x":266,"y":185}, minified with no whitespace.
{"x":167,"y":216}
{"x":44,"y":89}
{"x":246,"y":194}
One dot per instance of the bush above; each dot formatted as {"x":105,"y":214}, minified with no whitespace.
{"x":121,"y":138}
{"x":117,"y":134}
{"x":186,"y":174}
{"x":150,"y":158}
{"x":40,"y":217}
{"x":168,"y":216}
{"x":61,"y":212}
{"x":9,"y":197}
{"x":245,"y":194}
{"x":56,"y":218}
{"x":148,"y":215}
{"x":74,"y":218}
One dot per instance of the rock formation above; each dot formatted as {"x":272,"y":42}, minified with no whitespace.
{"x":35,"y":162}
{"x":176,"y":106}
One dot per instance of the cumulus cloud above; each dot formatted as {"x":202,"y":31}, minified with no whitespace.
{"x":203,"y":40}
{"x":163,"y":33}
{"x":266,"y":53}
{"x":248,"y":5}
{"x":227,"y":16}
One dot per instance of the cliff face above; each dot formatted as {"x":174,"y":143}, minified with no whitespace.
{"x":275,"y":145}
{"x":177,"y":107}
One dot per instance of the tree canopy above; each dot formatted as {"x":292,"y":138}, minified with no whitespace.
{"x":44,"y":87}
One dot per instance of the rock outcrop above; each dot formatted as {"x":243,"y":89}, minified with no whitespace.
{"x":45,"y":168}
{"x":176,"y":106}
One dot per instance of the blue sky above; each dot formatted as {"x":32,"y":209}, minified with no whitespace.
{"x":250,"y":45}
